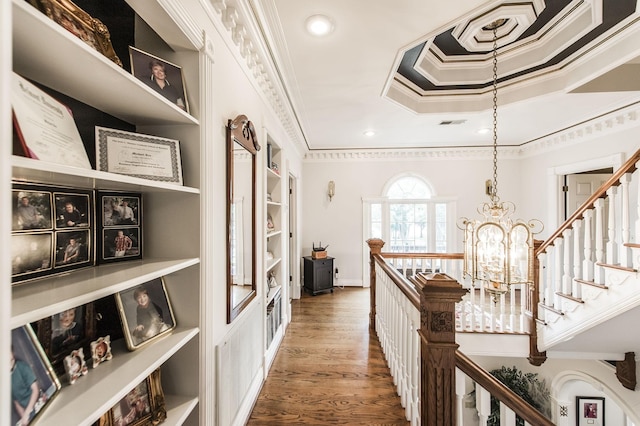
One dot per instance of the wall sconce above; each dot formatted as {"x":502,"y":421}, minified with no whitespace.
{"x":331,"y":191}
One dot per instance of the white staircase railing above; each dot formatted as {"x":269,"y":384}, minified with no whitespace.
{"x":593,"y":250}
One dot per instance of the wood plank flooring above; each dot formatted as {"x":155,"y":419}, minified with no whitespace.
{"x":329,"y":369}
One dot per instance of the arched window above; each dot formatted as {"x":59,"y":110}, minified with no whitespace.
{"x":410,"y":218}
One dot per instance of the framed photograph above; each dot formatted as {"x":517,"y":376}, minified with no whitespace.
{"x":31,"y":255}
{"x":101,"y":350}
{"x":73,"y":249}
{"x":75,"y":365}
{"x":145,"y":313}
{"x":138,"y":155}
{"x":66,"y":331}
{"x":160,"y":75}
{"x":120,"y":244}
{"x":589,"y":411}
{"x":120,"y":209}
{"x":31,"y":208}
{"x":119,"y":226}
{"x":78,"y":22}
{"x":73,"y":209}
{"x":142,"y":405}
{"x":31,"y":375}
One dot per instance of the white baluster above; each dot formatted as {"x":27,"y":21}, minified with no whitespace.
{"x":636,"y":256}
{"x":507,"y":416}
{"x":460,"y":394}
{"x":587,"y":263}
{"x":557,"y":275}
{"x":483,"y":404}
{"x":543,"y":283}
{"x":566,"y":261}
{"x":576,"y":288}
{"x":598,"y":270}
{"x":550,"y":285}
{"x":625,"y":255}
{"x":612,"y":244}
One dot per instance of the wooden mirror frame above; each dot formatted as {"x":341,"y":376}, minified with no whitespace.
{"x":241,"y":131}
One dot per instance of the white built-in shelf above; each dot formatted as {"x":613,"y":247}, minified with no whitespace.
{"x":272,"y":263}
{"x":44,"y":297}
{"x":178,"y":409}
{"x":273,"y":233}
{"x":273,"y":292}
{"x":273,"y":347}
{"x":271,"y":175}
{"x":83,"y":73}
{"x":94,"y":394}
{"x":273,"y":203}
{"x":32,"y":170}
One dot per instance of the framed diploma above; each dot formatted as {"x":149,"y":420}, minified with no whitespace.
{"x":45,"y":127}
{"x":138,"y":155}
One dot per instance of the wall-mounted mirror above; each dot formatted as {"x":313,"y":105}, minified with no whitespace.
{"x":242,"y":147}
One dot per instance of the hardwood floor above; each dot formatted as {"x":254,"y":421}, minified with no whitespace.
{"x":329,"y":369}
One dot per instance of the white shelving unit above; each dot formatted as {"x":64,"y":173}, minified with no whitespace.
{"x":274,"y":239}
{"x":45,"y":52}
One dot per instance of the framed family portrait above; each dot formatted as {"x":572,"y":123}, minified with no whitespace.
{"x":160,"y":75}
{"x":145,"y":312}
{"x":31,"y":377}
{"x":66,"y":331}
{"x":142,"y":405}
{"x":52,"y":230}
{"x":138,"y":155}
{"x":589,"y":411}
{"x":120,"y":226}
{"x":78,"y":22}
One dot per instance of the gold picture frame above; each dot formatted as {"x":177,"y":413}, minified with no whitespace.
{"x":87,"y":28}
{"x":142,"y":405}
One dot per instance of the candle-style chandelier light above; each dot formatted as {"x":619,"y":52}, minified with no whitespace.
{"x":498,"y":251}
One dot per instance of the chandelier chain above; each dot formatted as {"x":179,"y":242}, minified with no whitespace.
{"x":494,"y":192}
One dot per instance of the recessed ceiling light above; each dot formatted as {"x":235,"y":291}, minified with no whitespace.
{"x":369,"y":133}
{"x":319,"y":25}
{"x":484,"y":131}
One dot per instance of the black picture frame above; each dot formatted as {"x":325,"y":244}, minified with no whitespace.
{"x":38,"y":249}
{"x":142,"y":64}
{"x":590,"y":411}
{"x":31,"y":365}
{"x":119,"y":226}
{"x":144,"y":324}
{"x":66,"y":331}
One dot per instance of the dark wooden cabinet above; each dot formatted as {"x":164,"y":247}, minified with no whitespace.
{"x":318,"y":275}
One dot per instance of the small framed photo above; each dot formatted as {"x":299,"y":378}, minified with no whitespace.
{"x":160,"y":75}
{"x":31,"y":377}
{"x":73,"y":249}
{"x":145,"y":312}
{"x":120,"y":244}
{"x":142,"y":405}
{"x":31,"y":255}
{"x":75,"y":20}
{"x":66,"y":331}
{"x":120,"y":209}
{"x":120,"y":226}
{"x":101,"y":350}
{"x":138,"y":155}
{"x":31,"y":208}
{"x":73,"y":209}
{"x":589,"y":411}
{"x":75,"y":365}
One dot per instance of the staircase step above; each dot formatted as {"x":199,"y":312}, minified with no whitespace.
{"x":549,"y":308}
{"x":618,"y":267}
{"x":631,"y":245}
{"x":592,"y":284}
{"x":570,"y":297}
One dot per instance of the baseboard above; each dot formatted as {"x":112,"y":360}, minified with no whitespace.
{"x":341,"y":282}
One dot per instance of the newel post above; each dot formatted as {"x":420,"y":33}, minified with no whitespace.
{"x":438,"y":295}
{"x":375,"y":247}
{"x":536,"y":357}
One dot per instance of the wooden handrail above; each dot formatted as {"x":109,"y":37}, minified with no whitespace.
{"x":498,"y":389}
{"x":628,"y":167}
{"x":446,"y":256}
{"x":405,"y":286}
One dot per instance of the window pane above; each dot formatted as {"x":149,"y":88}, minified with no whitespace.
{"x":376,"y":212}
{"x":408,"y":225}
{"x":409,"y":187}
{"x":441,"y":228}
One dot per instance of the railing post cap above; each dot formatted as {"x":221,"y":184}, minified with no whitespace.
{"x":375,"y":245}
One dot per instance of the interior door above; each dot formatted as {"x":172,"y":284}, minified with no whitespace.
{"x":579,"y":188}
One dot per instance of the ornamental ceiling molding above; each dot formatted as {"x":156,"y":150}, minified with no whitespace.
{"x":623,"y":119}
{"x":250,"y":46}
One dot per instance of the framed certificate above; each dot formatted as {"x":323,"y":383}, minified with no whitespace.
{"x":45,"y":127}
{"x":138,"y":155}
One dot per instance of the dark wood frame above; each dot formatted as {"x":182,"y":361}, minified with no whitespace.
{"x":581,"y":419}
{"x":26,"y":347}
{"x":105,"y":227}
{"x":157,"y":293}
{"x":155,"y":398}
{"x":44,"y":331}
{"x":241,"y":131}
{"x":87,"y":28}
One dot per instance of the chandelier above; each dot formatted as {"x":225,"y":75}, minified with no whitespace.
{"x":498,"y":250}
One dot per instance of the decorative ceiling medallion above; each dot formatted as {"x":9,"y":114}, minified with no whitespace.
{"x":451,"y":70}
